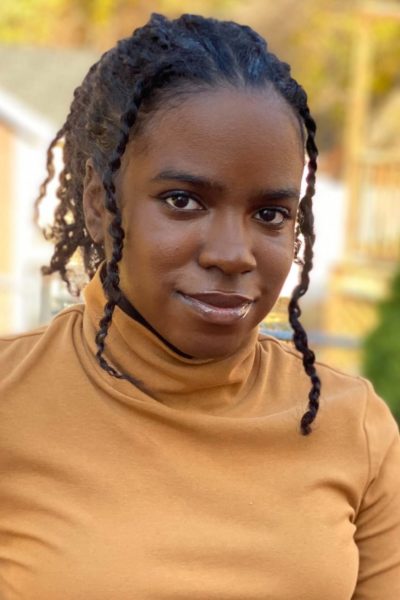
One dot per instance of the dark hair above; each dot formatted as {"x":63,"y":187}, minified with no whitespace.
{"x":162,"y":59}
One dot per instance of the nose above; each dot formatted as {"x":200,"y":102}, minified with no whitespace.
{"x":227,"y":247}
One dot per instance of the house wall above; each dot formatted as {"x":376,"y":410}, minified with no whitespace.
{"x":30,"y":251}
{"x":22,"y":248}
{"x":6,"y":146}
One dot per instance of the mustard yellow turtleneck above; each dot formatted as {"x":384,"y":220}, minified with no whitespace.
{"x":200,"y":488}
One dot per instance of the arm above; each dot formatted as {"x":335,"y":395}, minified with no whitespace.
{"x":378,"y":521}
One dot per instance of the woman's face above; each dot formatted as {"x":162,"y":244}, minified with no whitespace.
{"x":208,"y":193}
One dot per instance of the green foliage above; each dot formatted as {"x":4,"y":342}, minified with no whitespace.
{"x":387,"y":56}
{"x":317,"y":38}
{"x":27,"y":21}
{"x":382,"y":350}
{"x":88,"y":22}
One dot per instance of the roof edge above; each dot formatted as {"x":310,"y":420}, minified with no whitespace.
{"x":25,"y":120}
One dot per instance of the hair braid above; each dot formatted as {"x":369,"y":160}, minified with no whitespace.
{"x":68,"y":231}
{"x":297,"y":98}
{"x":50,"y":174}
{"x":112,"y":279}
{"x":306,"y":227}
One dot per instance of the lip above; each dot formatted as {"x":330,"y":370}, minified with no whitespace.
{"x":218,"y":307}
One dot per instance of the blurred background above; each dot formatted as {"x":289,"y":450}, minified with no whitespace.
{"x":347,"y":57}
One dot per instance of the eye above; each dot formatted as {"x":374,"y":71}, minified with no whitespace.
{"x":182,"y":201}
{"x":273,"y":216}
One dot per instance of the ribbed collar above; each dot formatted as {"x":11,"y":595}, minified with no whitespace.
{"x":212,"y":386}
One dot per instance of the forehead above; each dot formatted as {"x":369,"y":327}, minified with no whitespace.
{"x":236,"y":134}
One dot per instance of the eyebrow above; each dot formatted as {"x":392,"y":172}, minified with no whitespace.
{"x":182,"y":176}
{"x":287,"y":193}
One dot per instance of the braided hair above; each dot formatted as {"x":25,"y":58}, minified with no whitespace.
{"x":160,"y":60}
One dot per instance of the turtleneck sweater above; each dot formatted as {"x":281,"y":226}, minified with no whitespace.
{"x":197,"y":484}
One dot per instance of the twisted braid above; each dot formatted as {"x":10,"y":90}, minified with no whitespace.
{"x":111,"y":283}
{"x":158,"y":62}
{"x":50,"y":174}
{"x":68,"y":232}
{"x":306,"y":227}
{"x":296,"y":97}
{"x":112,"y":279}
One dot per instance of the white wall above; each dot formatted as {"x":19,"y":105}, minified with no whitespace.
{"x":30,"y":251}
{"x":329,"y":214}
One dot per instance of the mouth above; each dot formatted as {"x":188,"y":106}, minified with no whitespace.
{"x":218,"y":307}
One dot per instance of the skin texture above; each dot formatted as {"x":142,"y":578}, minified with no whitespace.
{"x":213,"y":236}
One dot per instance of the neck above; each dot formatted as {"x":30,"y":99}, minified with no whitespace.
{"x":211,"y":386}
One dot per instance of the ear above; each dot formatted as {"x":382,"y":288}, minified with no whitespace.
{"x":93,"y":204}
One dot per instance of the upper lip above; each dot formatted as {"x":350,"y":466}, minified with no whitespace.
{"x":221,"y":299}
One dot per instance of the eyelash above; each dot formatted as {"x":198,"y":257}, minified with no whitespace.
{"x":177,"y":195}
{"x":284,"y":212}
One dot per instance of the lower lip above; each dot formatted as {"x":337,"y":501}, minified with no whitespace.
{"x":216,"y":314}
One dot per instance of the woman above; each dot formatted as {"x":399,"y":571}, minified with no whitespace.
{"x":150,"y":439}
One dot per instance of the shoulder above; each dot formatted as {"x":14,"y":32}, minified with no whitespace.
{"x":348,"y":402}
{"x":23,"y":348}
{"x":285,"y":359}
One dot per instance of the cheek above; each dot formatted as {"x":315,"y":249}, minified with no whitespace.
{"x":108,"y":241}
{"x":274,"y":261}
{"x":156,"y":253}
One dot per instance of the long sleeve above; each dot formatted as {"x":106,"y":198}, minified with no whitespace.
{"x":378,"y":522}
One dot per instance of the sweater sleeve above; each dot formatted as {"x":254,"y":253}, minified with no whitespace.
{"x":378,"y":521}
